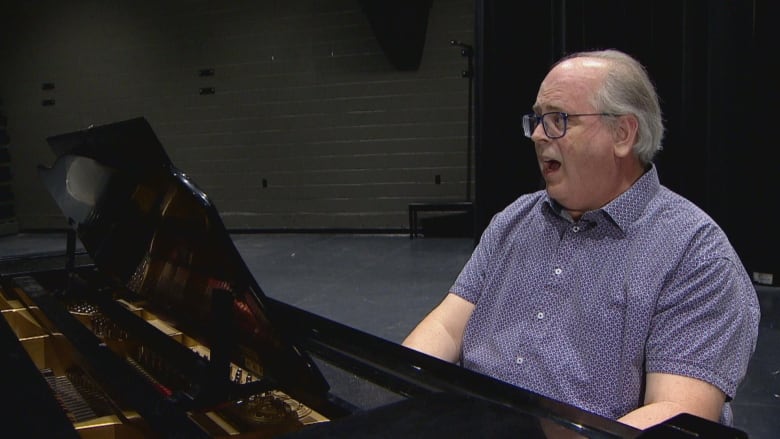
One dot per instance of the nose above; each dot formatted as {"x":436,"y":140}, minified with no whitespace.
{"x":538,"y":134}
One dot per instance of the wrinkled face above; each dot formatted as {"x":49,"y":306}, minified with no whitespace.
{"x":580,"y":169}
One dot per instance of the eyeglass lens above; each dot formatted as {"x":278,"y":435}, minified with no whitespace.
{"x":554,"y":124}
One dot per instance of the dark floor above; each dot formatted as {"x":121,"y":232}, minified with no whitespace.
{"x":384,"y":284}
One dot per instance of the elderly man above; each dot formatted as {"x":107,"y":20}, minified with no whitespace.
{"x":607,"y":290}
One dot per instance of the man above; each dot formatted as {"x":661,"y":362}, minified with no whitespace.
{"x":606,"y":290}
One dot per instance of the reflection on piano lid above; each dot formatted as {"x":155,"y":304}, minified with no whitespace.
{"x":149,"y":228}
{"x":169,"y":335}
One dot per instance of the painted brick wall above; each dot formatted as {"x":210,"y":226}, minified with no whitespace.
{"x":309,"y":126}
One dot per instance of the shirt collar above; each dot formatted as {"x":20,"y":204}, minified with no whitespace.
{"x":627,"y":207}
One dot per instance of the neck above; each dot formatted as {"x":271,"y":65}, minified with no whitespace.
{"x":629,"y":173}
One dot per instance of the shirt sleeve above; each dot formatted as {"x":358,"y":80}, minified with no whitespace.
{"x":706,"y":321}
{"x":471,"y":281}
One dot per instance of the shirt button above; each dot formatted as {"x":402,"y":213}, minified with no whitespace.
{"x":519,"y":360}
{"x":540,"y":315}
{"x":575,"y":229}
{"x":558,"y":271}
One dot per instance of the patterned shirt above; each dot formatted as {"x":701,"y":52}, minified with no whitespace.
{"x":579,"y":311}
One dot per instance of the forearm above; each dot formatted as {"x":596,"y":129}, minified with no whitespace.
{"x":668,"y":395}
{"x":651,"y":414}
{"x":440,"y":333}
{"x":432,"y":338}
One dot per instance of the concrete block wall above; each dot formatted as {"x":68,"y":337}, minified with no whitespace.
{"x":309,"y":125}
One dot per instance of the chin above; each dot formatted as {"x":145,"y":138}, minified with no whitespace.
{"x":554,"y":192}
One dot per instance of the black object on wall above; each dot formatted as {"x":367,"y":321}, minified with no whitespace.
{"x":705,"y":59}
{"x":400,"y":27}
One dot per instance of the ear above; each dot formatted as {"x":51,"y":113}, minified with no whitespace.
{"x":625,"y":134}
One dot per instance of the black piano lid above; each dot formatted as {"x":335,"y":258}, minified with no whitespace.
{"x":150,"y":229}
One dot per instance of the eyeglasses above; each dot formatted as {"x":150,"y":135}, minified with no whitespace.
{"x":553,"y":123}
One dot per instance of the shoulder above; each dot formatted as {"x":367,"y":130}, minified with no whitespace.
{"x":521,"y":208}
{"x":682,"y":222}
{"x":511,"y":222}
{"x":707,"y":263}
{"x":680,"y":242}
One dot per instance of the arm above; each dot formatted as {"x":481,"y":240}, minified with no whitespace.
{"x":440,"y":333}
{"x":668,"y":395}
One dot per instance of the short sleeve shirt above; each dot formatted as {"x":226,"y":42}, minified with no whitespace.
{"x":580,"y":311}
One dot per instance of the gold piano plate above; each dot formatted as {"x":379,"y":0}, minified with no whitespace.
{"x":267,"y":414}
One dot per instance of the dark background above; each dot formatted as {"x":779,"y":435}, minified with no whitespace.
{"x":336,"y":115}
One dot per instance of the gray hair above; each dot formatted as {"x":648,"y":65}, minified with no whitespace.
{"x":628,"y":89}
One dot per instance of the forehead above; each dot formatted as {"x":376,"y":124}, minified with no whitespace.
{"x":570,"y":85}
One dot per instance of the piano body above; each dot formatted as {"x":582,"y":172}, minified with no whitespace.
{"x":163,"y":332}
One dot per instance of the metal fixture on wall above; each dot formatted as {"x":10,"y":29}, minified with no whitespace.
{"x":468,"y":52}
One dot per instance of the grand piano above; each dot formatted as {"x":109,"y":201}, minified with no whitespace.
{"x":160,"y":330}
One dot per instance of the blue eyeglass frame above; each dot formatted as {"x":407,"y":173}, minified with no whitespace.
{"x":528,"y":130}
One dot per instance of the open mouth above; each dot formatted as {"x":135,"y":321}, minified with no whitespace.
{"x":551,"y":165}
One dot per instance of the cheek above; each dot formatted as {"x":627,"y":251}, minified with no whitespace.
{"x":587,"y":162}
{"x":593,"y":150}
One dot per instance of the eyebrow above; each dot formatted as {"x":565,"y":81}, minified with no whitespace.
{"x":537,"y":109}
